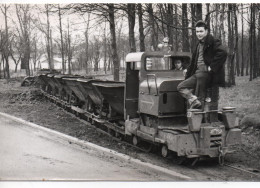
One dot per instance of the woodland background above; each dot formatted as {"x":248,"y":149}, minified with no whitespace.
{"x":95,"y":38}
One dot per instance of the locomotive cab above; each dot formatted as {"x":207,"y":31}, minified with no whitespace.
{"x":159,"y":79}
{"x":151,"y":84}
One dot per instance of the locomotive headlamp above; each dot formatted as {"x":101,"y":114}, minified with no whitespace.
{"x":215,"y":131}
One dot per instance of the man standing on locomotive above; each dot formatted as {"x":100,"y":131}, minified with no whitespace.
{"x":206,"y":68}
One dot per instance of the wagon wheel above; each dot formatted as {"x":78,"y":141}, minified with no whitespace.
{"x":119,"y":136}
{"x":135,"y":140}
{"x":111,"y":132}
{"x":164,"y":151}
{"x":148,"y":147}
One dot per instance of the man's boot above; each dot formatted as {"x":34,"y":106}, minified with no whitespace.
{"x":194,"y":103}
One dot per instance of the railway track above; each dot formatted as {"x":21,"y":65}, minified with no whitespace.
{"x":107,"y":133}
{"x":93,"y":124}
{"x":147,"y":150}
{"x":242,"y":170}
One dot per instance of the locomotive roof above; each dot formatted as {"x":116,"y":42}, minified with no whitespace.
{"x":137,"y":56}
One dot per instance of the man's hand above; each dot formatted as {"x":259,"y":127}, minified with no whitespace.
{"x":184,"y":72}
{"x":209,"y":69}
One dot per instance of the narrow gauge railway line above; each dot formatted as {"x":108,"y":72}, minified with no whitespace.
{"x":147,"y":107}
{"x":241,"y":170}
{"x":92,"y":123}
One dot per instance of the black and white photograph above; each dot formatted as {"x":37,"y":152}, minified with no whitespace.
{"x":128,"y":91}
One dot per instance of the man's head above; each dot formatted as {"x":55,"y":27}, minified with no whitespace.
{"x":201,"y":29}
{"x":177,"y":64}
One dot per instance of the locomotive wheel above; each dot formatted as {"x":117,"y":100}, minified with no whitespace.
{"x":111,"y":132}
{"x":165,"y":151}
{"x":135,"y":140}
{"x":118,"y":136}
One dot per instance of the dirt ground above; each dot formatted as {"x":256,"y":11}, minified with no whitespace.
{"x":28,"y":103}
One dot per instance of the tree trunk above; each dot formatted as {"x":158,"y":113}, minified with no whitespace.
{"x":69,"y":49}
{"x":230,"y":46}
{"x":216,"y":31}
{"x":105,"y":48}
{"x":169,"y":23}
{"x":111,"y":17}
{"x":258,"y":44}
{"x":176,"y":30}
{"x":154,"y":36}
{"x":221,"y":27}
{"x":6,"y":50}
{"x":87,"y":45}
{"x":242,"y":42}
{"x":193,"y":36}
{"x":131,"y":24}
{"x":141,"y":27}
{"x":207,"y":19}
{"x":3,"y":60}
{"x":185,"y":33}
{"x":236,"y":46}
{"x":0,"y":70}
{"x":61,"y":40}
{"x":163,"y":17}
{"x":48,"y":39}
{"x":199,"y":11}
{"x":254,"y":43}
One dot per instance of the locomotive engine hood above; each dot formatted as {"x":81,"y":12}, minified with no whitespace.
{"x":155,"y":86}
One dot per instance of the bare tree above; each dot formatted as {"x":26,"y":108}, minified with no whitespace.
{"x":6,"y":49}
{"x":96,"y":46}
{"x":141,"y":27}
{"x":69,"y":48}
{"x":105,"y":48}
{"x":111,"y":16}
{"x":61,"y":40}
{"x":252,"y":36}
{"x":15,"y":48}
{"x":185,"y":33}
{"x":242,"y":41}
{"x":176,"y":30}
{"x":49,"y":38}
{"x":24,"y":17}
{"x":153,"y":34}
{"x":193,"y":21}
{"x":222,"y":33}
{"x":231,"y":54}
{"x":1,"y":51}
{"x":258,"y":42}
{"x":104,"y":11}
{"x":236,"y":39}
{"x":36,"y":51}
{"x":87,"y":55}
{"x":131,"y":7}
{"x":199,"y":11}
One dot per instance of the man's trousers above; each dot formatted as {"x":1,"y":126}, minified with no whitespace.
{"x":198,"y":83}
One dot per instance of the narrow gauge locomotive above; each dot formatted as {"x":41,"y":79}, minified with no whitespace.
{"x":147,"y":107}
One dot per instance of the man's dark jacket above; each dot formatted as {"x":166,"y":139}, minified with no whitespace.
{"x":214,"y":55}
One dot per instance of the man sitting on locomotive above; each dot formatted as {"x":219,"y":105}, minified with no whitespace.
{"x":206,"y":69}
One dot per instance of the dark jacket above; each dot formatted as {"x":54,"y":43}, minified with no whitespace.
{"x":214,"y":55}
